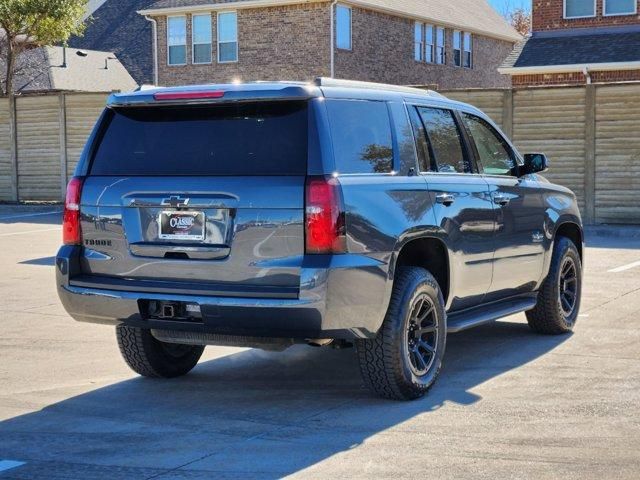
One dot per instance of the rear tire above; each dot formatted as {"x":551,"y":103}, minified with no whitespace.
{"x":152,"y":358}
{"x":559,"y":298}
{"x":405,"y":358}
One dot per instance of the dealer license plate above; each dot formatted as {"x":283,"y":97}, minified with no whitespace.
{"x":182,"y":225}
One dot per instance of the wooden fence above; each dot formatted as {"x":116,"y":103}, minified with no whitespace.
{"x":50,"y":135}
{"x":591,"y":134}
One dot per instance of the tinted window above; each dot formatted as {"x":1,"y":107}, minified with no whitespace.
{"x":445,"y":141}
{"x":241,"y":139}
{"x":361,"y":134}
{"x":493,"y":152}
{"x":425,"y":160}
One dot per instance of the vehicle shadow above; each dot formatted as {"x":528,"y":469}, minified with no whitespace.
{"x":252,"y":414}
{"x":618,"y":243}
{"x":41,"y":262}
{"x":53,"y":217}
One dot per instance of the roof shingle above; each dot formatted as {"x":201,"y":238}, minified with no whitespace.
{"x":575,"y":49}
{"x":116,"y":26}
{"x":41,"y":70}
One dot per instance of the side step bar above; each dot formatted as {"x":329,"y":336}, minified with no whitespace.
{"x":476,"y":316}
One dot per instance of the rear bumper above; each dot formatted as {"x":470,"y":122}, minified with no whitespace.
{"x":342,"y":297}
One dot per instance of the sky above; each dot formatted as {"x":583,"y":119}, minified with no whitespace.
{"x":504,"y":5}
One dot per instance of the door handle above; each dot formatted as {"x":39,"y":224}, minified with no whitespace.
{"x":501,"y":200}
{"x":445,"y":199}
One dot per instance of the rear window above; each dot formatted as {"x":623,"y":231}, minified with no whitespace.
{"x":266,"y":138}
{"x":361,"y":134}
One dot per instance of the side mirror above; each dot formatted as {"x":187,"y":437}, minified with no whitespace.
{"x":535,"y":163}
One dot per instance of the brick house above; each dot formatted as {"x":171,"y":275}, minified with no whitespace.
{"x":578,"y":42}
{"x":441,"y":43}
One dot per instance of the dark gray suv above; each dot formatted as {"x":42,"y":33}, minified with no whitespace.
{"x":333,"y":213}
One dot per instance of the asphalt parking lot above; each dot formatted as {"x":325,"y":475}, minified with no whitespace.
{"x":509,"y":404}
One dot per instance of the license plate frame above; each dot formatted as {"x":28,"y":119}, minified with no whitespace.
{"x":182,"y":229}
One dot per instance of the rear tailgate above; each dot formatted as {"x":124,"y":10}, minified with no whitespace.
{"x":198,"y":198}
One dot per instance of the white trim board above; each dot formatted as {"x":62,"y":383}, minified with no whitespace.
{"x":580,"y":67}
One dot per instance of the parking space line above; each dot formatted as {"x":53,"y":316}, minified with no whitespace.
{"x":9,"y":464}
{"x":29,"y":231}
{"x":26,"y":215}
{"x":623,"y":268}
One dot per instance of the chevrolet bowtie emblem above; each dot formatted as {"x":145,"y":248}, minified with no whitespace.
{"x":175,"y":202}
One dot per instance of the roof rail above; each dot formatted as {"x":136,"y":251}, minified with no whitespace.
{"x":334,"y":82}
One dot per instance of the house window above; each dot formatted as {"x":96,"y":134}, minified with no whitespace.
{"x":343,"y":27}
{"x":579,"y":8}
{"x":419,"y":42}
{"x":467,"y":59}
{"x":429,"y":54}
{"x":201,"y":25}
{"x":462,"y":56}
{"x":620,"y":7}
{"x":177,"y":40}
{"x":440,"y":52}
{"x":227,"y":37}
{"x":457,"y":48}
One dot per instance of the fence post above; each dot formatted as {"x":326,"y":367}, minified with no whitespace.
{"x":62,"y":120}
{"x":590,"y":155}
{"x":507,"y":113}
{"x":13,"y":146}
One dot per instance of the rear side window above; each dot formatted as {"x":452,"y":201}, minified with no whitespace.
{"x":361,"y":134}
{"x":445,"y":141}
{"x":266,"y":138}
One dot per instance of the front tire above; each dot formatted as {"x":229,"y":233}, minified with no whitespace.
{"x":405,"y":358}
{"x":150,"y":357}
{"x":559,"y":298}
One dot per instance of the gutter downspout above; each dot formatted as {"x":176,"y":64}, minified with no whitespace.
{"x":333,"y":39}
{"x":154,"y":23}
{"x":587,"y":75}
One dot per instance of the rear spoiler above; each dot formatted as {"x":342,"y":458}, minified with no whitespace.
{"x":214,"y":94}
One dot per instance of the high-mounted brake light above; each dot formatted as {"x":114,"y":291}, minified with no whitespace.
{"x":188,"y":95}
{"x":325,"y":221}
{"x":71,"y":233}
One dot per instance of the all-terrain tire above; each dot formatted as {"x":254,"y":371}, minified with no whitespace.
{"x":549,"y":315}
{"x":152,"y":358}
{"x":384,"y":361}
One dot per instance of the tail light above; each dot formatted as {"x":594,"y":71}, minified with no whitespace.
{"x":325,"y":221}
{"x":71,"y":233}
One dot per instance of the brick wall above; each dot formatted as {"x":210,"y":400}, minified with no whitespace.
{"x":383,"y":51}
{"x":293,"y":43}
{"x":575,"y":78}
{"x":549,"y":15}
{"x":274,"y":44}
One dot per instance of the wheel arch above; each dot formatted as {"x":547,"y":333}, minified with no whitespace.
{"x":426,"y":251}
{"x":574,"y":232}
